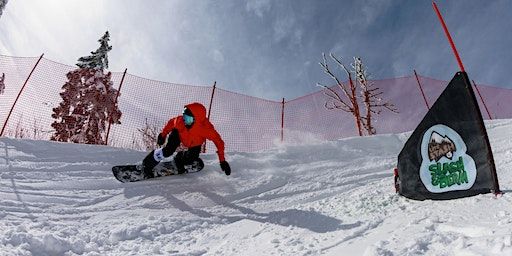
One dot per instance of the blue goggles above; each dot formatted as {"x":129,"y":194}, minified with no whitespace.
{"x":189,"y":120}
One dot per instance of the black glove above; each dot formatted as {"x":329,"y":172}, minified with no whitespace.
{"x":160,"y":140}
{"x":225,"y":167}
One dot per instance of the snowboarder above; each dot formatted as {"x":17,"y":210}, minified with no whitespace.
{"x":190,"y":129}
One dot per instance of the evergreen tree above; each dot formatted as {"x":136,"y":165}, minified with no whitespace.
{"x":88,"y":100}
{"x":98,"y":59}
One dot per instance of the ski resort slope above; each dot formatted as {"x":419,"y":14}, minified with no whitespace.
{"x":316,"y":198}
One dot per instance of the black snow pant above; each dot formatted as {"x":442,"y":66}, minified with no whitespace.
{"x":181,"y":159}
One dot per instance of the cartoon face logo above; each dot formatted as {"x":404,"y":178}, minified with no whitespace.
{"x":440,"y":146}
{"x":445,"y":165}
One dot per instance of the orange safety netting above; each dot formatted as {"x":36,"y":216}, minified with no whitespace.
{"x":245,"y":123}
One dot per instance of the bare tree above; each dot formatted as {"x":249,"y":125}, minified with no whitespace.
{"x":19,"y":131}
{"x":149,"y":135}
{"x":371,"y":97}
{"x":38,"y":132}
{"x":347,"y":102}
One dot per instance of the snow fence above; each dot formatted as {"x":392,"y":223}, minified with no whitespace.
{"x":246,"y":123}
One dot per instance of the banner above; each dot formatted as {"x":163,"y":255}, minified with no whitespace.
{"x":448,"y":155}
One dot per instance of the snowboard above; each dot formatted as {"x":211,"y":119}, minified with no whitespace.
{"x":132,"y":173}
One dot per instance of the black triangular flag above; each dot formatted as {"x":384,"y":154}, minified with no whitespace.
{"x":448,"y":155}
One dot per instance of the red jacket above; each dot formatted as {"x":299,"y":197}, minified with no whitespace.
{"x":200,"y":130}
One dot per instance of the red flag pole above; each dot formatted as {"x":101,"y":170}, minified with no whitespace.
{"x":489,"y":155}
{"x":449,"y":37}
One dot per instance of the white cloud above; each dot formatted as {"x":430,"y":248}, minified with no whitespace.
{"x":283,"y":27}
{"x":259,"y":7}
{"x":60,"y":29}
{"x":243,"y":43}
{"x":297,"y":36}
{"x":217,"y":56}
{"x":368,"y":12}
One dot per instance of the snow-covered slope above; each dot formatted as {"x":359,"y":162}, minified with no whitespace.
{"x":331,"y":198}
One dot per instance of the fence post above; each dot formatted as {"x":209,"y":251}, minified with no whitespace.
{"x":482,"y":99}
{"x":211,"y":99}
{"x":117,"y":96}
{"x":210,"y":110}
{"x":282,"y":121}
{"x":421,"y":89}
{"x":19,"y":94}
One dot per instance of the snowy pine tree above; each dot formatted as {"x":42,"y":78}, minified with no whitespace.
{"x":99,"y":58}
{"x":2,"y":83}
{"x":88,"y":100}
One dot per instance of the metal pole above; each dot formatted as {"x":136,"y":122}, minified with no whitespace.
{"x":117,"y":96}
{"x":482,"y":99}
{"x":210,"y":110}
{"x":449,"y":37}
{"x":19,"y":94}
{"x":282,"y":121}
{"x":421,"y":89}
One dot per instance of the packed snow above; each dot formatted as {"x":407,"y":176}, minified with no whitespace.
{"x":309,"y":198}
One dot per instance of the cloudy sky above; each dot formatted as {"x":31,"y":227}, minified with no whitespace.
{"x":264,"y":48}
